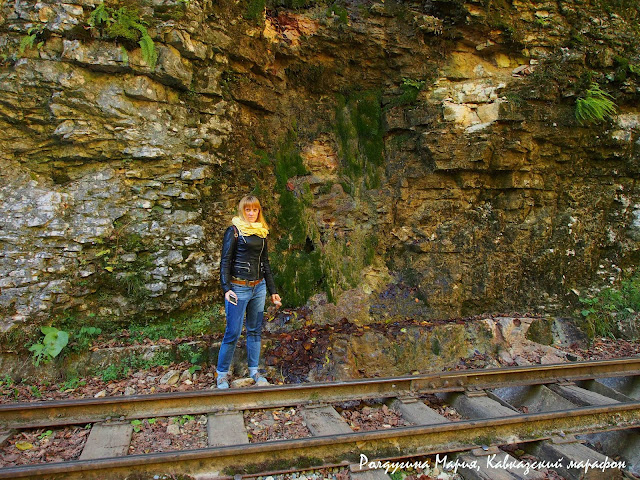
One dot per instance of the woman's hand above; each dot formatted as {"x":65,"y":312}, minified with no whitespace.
{"x":231,"y":297}
{"x":276,"y":300}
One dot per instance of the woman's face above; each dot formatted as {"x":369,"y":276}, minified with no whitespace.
{"x":251,"y":213}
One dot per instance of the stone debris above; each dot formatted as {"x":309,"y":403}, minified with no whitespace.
{"x":170,"y":378}
{"x":169,"y":433}
{"x":242,"y":382}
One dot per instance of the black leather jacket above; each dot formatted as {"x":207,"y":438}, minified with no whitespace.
{"x":245,"y":257}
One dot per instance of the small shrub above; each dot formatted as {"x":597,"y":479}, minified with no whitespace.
{"x":51,"y":345}
{"x":84,"y":338}
{"x":606,"y":314}
{"x":595,"y":107}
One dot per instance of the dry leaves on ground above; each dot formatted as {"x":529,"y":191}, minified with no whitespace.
{"x":440,"y":407}
{"x":368,"y":418}
{"x":152,"y":435}
{"x":137,"y":383}
{"x":277,"y":424}
{"x":43,"y":446}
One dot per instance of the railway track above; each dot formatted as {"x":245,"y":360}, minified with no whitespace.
{"x":596,"y":400}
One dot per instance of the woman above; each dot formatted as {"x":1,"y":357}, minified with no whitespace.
{"x":245,"y":276}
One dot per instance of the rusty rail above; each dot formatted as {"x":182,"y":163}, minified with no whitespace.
{"x":82,"y":411}
{"x":316,"y":451}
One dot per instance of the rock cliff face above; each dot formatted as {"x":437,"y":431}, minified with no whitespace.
{"x":428,"y":143}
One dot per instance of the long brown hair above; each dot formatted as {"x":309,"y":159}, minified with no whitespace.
{"x":251,"y":201}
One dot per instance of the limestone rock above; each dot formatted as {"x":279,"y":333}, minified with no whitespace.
{"x":242,"y":382}
{"x":173,"y":429}
{"x":170,"y":378}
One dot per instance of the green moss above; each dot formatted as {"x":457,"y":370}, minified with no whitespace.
{"x":343,"y":260}
{"x":299,"y":275}
{"x":255,"y":10}
{"x":435,"y":345}
{"x":359,"y":130}
{"x":186,"y":324}
{"x":540,"y":331}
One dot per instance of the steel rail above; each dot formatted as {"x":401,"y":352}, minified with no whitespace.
{"x":316,"y":451}
{"x":82,"y":411}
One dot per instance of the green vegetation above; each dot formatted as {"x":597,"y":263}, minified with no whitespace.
{"x":122,"y":369}
{"x":627,"y":9}
{"x":50,"y":346}
{"x":183,"y":419}
{"x":336,"y":10}
{"x":71,"y":384}
{"x":344,"y":259}
{"x":294,"y":257}
{"x":125,"y":278}
{"x":410,"y":90}
{"x":124,"y":24}
{"x":359,"y":131}
{"x":29,"y":40}
{"x":190,"y":353}
{"x":84,"y":338}
{"x":255,"y":10}
{"x":613,"y":311}
{"x":203,"y":322}
{"x":35,"y":391}
{"x":595,"y":107}
{"x":625,"y":68}
{"x":137,"y":425}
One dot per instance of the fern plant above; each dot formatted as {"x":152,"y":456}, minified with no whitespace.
{"x":125,"y":24}
{"x":595,"y":107}
{"x":29,"y":39}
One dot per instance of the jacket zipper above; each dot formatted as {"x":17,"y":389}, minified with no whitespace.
{"x":260,"y":257}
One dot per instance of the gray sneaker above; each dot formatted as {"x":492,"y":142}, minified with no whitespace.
{"x":222,"y":382}
{"x":260,"y":380}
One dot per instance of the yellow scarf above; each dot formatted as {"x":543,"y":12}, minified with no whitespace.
{"x":246,"y":228}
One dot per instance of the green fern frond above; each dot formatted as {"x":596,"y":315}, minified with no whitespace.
{"x":149,"y":53}
{"x":595,"y":107}
{"x":125,"y":25}
{"x":26,"y":42}
{"x":99,"y":16}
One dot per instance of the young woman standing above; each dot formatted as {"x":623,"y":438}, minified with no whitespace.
{"x":245,"y":275}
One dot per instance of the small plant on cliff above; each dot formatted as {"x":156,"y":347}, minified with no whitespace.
{"x":51,"y":345}
{"x":125,"y":24}
{"x":29,"y":40}
{"x":595,"y":107}
{"x":410,"y":90}
{"x":614,"y":309}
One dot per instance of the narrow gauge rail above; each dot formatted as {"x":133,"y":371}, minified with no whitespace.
{"x":414,"y":440}
{"x":82,"y":411}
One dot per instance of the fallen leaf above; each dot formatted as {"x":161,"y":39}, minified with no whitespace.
{"x":22,"y":446}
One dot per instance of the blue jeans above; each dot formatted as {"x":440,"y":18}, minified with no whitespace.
{"x":250,"y":300}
